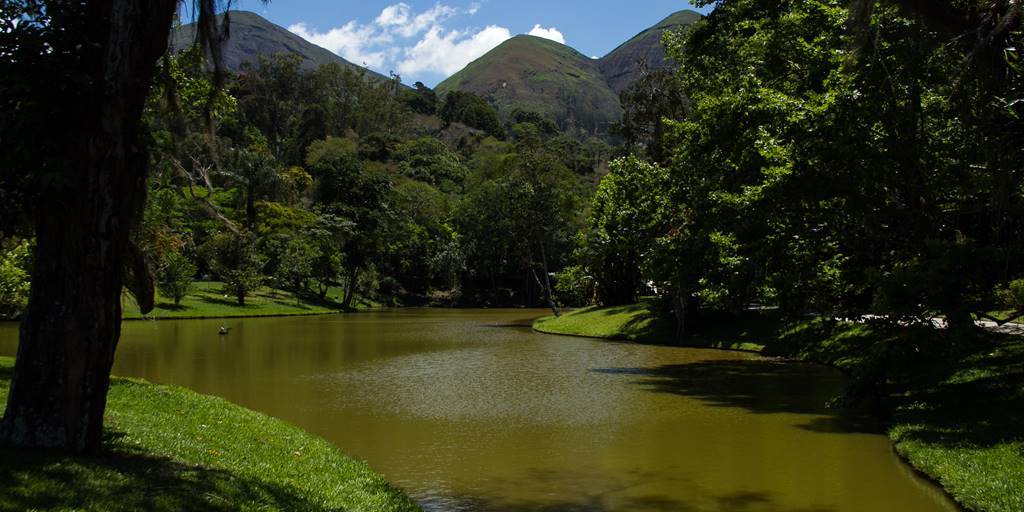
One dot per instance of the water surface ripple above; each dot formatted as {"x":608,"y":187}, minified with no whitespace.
{"x":471,"y":410}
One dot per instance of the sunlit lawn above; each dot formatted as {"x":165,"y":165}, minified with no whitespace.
{"x":208,"y":300}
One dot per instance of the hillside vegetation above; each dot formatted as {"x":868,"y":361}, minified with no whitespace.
{"x":621,"y":66}
{"x":539,"y":75}
{"x":576,"y":92}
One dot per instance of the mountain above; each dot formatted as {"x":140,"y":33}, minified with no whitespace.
{"x":542,"y":76}
{"x":252,"y":36}
{"x":620,"y":67}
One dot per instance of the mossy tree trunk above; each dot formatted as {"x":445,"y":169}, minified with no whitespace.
{"x":72,"y":325}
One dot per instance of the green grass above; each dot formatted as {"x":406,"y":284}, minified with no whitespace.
{"x":170,"y":449}
{"x":207,"y":300}
{"x":636,"y":322}
{"x":955,"y":405}
{"x":645,"y":323}
{"x":965,"y":428}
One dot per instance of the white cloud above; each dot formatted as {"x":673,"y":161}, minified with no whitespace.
{"x":352,"y":41}
{"x":413,"y":42}
{"x":428,"y":19}
{"x":547,"y":33}
{"x":397,"y":14}
{"x":447,"y":52}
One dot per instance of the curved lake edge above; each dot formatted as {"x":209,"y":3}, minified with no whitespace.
{"x":196,"y":459}
{"x":482,"y":322}
{"x":652,"y":334}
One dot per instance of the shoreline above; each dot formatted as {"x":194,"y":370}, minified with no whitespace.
{"x":892,"y":444}
{"x":934,"y":461}
{"x":157,"y":458}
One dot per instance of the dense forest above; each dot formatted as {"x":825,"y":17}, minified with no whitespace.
{"x":823,"y":158}
{"x":798,"y":156}
{"x":307,"y":179}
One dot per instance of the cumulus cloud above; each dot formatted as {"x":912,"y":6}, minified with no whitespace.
{"x":397,"y":14}
{"x":547,"y":33}
{"x":447,"y":52}
{"x":400,"y":19}
{"x":413,"y":42}
{"x":352,"y":41}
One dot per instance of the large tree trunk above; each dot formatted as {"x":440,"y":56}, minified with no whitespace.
{"x":70,"y":330}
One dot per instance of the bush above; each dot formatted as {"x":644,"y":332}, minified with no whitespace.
{"x":575,"y":287}
{"x":1011,"y":295}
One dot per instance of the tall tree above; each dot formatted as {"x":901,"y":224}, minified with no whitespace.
{"x":627,"y":215}
{"x":89,"y":64}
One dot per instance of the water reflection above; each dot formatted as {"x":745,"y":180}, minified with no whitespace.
{"x":471,"y":410}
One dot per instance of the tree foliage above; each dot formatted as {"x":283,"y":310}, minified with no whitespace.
{"x":175,"y":276}
{"x":237,"y":263}
{"x":882,"y":181}
{"x":471,"y":110}
{"x":627,"y":215}
{"x":15,"y":256}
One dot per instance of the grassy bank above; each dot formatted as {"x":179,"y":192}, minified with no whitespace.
{"x":955,"y":406}
{"x":169,"y":449}
{"x":207,"y":300}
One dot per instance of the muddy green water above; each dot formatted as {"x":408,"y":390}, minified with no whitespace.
{"x":471,"y":410}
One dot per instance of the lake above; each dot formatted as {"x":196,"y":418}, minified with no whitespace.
{"x":472,"y":410}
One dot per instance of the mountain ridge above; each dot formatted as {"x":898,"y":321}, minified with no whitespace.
{"x":252,"y":36}
{"x":527,"y":72}
{"x":620,"y":67}
{"x":556,"y":80}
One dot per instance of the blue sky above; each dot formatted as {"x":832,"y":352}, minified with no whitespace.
{"x":428,"y":40}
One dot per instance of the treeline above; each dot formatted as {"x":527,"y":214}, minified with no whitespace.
{"x":328,"y":181}
{"x":825,"y":159}
{"x":315,"y":179}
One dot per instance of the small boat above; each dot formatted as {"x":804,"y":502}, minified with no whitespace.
{"x":224,"y":330}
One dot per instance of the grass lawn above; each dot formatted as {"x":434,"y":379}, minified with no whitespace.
{"x":207,"y":300}
{"x":955,"y":405}
{"x":170,"y":449}
{"x":635,"y":322}
{"x":643,"y":322}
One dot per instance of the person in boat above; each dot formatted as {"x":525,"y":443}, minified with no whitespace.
{"x":223,"y":330}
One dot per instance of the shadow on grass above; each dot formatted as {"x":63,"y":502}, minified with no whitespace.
{"x":170,"y":306}
{"x":232,"y":303}
{"x":980,"y":402}
{"x":759,"y":386}
{"x":293,"y":305}
{"x":125,"y":479}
